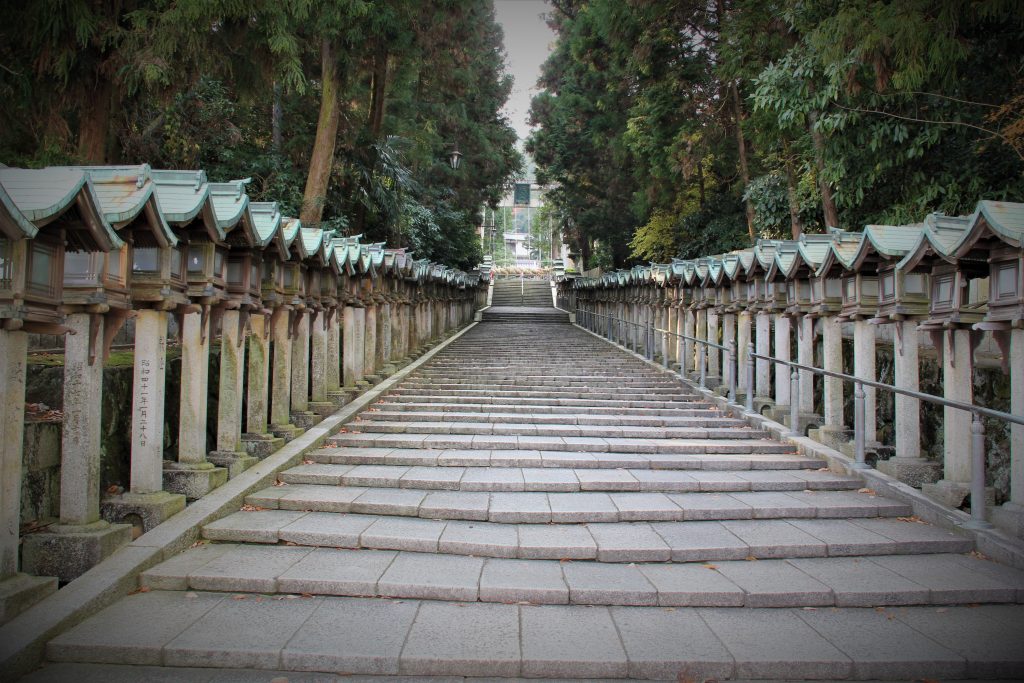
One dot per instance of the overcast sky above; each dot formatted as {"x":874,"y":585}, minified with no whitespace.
{"x":527,"y":42}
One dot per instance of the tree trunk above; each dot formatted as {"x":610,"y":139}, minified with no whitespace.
{"x":700,"y":182}
{"x":828,"y":203}
{"x":741,"y":146}
{"x":380,"y":79}
{"x":275,"y":120}
{"x":794,"y":206}
{"x":94,"y":126}
{"x":322,"y":159}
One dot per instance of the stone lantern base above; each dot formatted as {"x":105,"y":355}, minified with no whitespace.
{"x":142,"y":509}
{"x":1010,"y":518}
{"x":68,"y":551}
{"x":235,"y":462}
{"x":261,"y":445}
{"x":914,"y":472}
{"x":193,"y":480}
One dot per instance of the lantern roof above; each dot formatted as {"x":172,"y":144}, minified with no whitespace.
{"x":998,"y":222}
{"x":185,"y":196}
{"x":266,"y":223}
{"x":842,"y":251}
{"x":886,"y":242}
{"x":125,"y":192}
{"x":31,"y":198}
{"x":937,"y":241}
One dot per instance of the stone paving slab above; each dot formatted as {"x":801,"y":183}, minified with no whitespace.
{"x":573,"y":507}
{"x":443,"y":638}
{"x":844,"y":582}
{"x":620,"y":541}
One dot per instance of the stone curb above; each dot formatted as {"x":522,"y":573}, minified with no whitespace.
{"x":994,"y":543}
{"x":23,"y":639}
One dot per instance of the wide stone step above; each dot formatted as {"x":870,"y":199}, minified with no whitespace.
{"x":515,"y":507}
{"x":712,"y":419}
{"x":406,"y":407}
{"x":564,"y":480}
{"x":548,"y":392}
{"x":730,"y":429}
{"x":733,"y":441}
{"x":724,"y":456}
{"x":885,"y":580}
{"x":476,"y":383}
{"x":622,"y":542}
{"x":582,"y":403}
{"x":421,"y":638}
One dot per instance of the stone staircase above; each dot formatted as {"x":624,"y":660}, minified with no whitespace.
{"x":535,"y":502}
{"x":513,"y":292}
{"x":532,"y":305}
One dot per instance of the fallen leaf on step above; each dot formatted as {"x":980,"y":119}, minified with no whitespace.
{"x":870,"y":492}
{"x":913,"y":519}
{"x":238,"y":597}
{"x":251,"y":508}
{"x":140,"y":589}
{"x":280,"y":483}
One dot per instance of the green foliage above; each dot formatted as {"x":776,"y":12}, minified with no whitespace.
{"x":235,"y":88}
{"x":888,"y":109}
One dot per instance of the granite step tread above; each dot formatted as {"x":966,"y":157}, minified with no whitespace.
{"x":725,"y":429}
{"x":883,"y":580}
{"x":606,"y":542}
{"x":578,"y":507}
{"x":745,"y":441}
{"x":381,"y":414}
{"x":729,"y":457}
{"x":585,"y":403}
{"x":418,"y":638}
{"x":563,"y":479}
{"x":407,"y":407}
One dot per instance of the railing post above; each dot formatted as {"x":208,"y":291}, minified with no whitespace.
{"x":978,"y":520}
{"x":750,"y":378}
{"x":664,"y":349}
{"x":794,"y":402}
{"x":702,"y":361}
{"x":858,"y":426}
{"x":730,"y":361}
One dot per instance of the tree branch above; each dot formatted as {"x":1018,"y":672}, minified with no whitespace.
{"x":993,"y":133}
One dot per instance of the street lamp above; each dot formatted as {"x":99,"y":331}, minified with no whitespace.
{"x":454,"y":157}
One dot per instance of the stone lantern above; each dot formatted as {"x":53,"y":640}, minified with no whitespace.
{"x":996,"y":235}
{"x":827,"y":280}
{"x":43,"y":212}
{"x":958,"y":300}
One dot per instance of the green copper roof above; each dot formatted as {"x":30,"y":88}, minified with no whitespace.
{"x":266,"y":221}
{"x":1003,"y":220}
{"x":939,"y":238}
{"x":229,"y":202}
{"x":312,"y":242}
{"x":124,"y":192}
{"x":185,"y":196}
{"x":31,"y":198}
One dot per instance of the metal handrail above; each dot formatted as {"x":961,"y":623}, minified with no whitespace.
{"x":978,"y":520}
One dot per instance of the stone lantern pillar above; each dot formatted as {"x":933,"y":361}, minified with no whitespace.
{"x":834,"y":431}
{"x":370,"y":330}
{"x":320,"y":363}
{"x":782,"y":352}
{"x":743,"y":337}
{"x":16,"y":590}
{"x":192,"y":474}
{"x":728,"y":340}
{"x":864,"y":367}
{"x":907,"y":465}
{"x":257,"y":440}
{"x":805,"y":356}
{"x":229,"y":452}
{"x":701,"y":333}
{"x":1010,"y":515}
{"x":145,"y":500}
{"x":957,"y":385}
{"x":762,"y":342}
{"x":281,"y":378}
{"x":690,"y":324}
{"x":353,"y":326}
